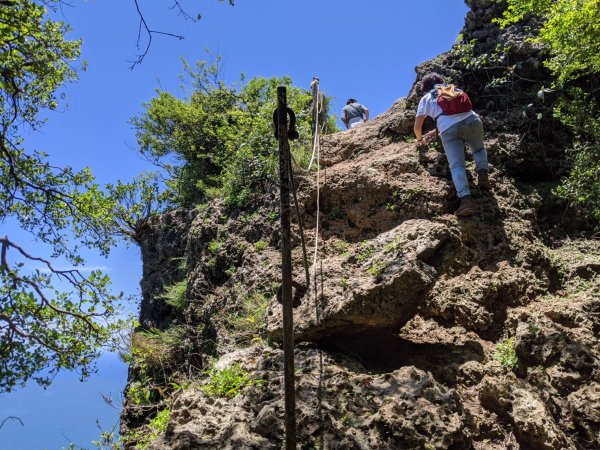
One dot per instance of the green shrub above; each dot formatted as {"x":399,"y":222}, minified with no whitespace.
{"x":215,"y":246}
{"x":158,"y":425}
{"x":226,"y":382}
{"x":366,"y":250}
{"x":506,"y":355}
{"x":377,"y":269}
{"x":574,"y":61}
{"x":249,"y":320}
{"x":139,"y":394}
{"x":394,"y":245}
{"x":154,"y":349}
{"x":174,"y":295}
{"x":339,"y":247}
{"x":246,"y":218}
{"x":143,"y":437}
{"x":222,"y":135}
{"x":260,"y":246}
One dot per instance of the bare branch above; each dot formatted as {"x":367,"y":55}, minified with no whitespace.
{"x":143,"y":24}
{"x":182,"y":12}
{"x":73,"y":276}
{"x":11,"y":418}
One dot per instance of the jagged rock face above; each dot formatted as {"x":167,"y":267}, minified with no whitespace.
{"x":478,"y":299}
{"x":339,"y":404}
{"x":381,"y":284}
{"x":533,"y":424}
{"x":373,"y":192}
{"x":398,"y":343}
{"x":392,"y":125}
{"x":162,"y":248}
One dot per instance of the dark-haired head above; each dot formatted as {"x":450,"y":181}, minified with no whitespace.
{"x":430,"y":80}
{"x":351,"y":100}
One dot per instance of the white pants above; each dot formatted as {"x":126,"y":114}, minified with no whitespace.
{"x":355,"y":122}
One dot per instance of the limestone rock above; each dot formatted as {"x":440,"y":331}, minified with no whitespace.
{"x":338,"y":404}
{"x":584,"y":406}
{"x":533,"y":424}
{"x":380,"y":285}
{"x":478,"y":298}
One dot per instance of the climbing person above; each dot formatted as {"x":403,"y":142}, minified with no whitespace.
{"x":457,"y":125}
{"x":354,"y":114}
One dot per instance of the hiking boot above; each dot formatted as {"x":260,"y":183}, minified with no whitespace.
{"x":483,"y":180}
{"x":465,"y":208}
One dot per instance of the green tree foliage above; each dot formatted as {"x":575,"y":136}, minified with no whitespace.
{"x":54,"y":318}
{"x":219,"y":139}
{"x":571,"y":32}
{"x":50,"y":318}
{"x":136,"y":203}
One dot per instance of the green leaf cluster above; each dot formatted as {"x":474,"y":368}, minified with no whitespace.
{"x":571,"y":32}
{"x":51,"y":317}
{"x":227,"y":382}
{"x":506,"y":355}
{"x":143,"y":437}
{"x":135,"y":204}
{"x":218,"y":139}
{"x":35,"y":60}
{"x":174,"y":295}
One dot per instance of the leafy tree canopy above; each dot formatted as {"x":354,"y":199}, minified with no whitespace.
{"x":54,"y":318}
{"x":43,"y":327}
{"x":571,"y":32}
{"x":219,"y":139}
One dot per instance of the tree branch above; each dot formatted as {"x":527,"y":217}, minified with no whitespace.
{"x":143,"y":24}
{"x":11,"y":418}
{"x":182,"y":12}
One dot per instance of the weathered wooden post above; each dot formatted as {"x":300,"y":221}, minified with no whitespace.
{"x":286,"y":271}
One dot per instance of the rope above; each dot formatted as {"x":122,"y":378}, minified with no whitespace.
{"x":300,"y":221}
{"x":316,"y":251}
{"x":316,"y":156}
{"x":314,"y":86}
{"x":316,"y":153}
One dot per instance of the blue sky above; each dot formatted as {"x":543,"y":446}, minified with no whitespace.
{"x":360,"y":49}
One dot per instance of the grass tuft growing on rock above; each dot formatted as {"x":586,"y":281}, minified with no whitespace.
{"x":249,"y":320}
{"x":506,"y":355}
{"x":260,"y":246}
{"x":143,"y":438}
{"x":228,"y":382}
{"x":174,"y":295}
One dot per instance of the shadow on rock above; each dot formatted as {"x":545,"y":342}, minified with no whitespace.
{"x":381,"y":350}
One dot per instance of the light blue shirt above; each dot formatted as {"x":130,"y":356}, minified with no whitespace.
{"x":428,"y":107}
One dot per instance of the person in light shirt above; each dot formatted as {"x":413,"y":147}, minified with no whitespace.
{"x":455,"y":131}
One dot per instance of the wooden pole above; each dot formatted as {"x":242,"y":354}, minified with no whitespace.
{"x":286,"y":271}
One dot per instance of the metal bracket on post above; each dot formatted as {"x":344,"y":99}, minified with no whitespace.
{"x":286,"y":269}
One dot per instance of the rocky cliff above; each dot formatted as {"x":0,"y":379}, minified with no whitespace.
{"x":425,"y":331}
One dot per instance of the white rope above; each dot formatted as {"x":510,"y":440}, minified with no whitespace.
{"x":316,"y":154}
{"x":316,"y":251}
{"x":314,"y":86}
